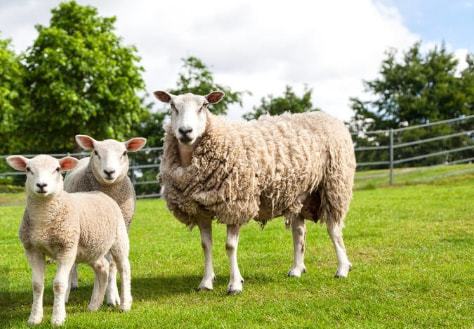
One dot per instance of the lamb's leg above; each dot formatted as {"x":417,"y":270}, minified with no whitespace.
{"x":235,"y":283}
{"x":205,"y":227}
{"x":298,"y":230}
{"x":344,"y":265}
{"x":101,"y":270}
{"x":120,"y":251}
{"x":74,"y":278}
{"x":60,"y":283}
{"x":36,"y":260}
{"x":113,"y":297}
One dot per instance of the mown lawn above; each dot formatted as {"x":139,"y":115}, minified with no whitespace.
{"x":412,"y":249}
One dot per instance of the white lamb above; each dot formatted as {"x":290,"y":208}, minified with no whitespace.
{"x":106,"y":171}
{"x":69,"y":228}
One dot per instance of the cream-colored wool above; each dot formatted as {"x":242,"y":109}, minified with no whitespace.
{"x":69,"y":228}
{"x":283,"y":165}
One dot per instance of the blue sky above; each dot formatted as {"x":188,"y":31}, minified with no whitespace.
{"x":439,"y":20}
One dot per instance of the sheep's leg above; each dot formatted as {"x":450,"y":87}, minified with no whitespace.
{"x":101,"y":270}
{"x":344,"y":265}
{"x":74,"y":278}
{"x":120,"y":251}
{"x":69,"y":284}
{"x":60,"y":283}
{"x":36,"y":260}
{"x":235,"y":283}
{"x":205,"y":227}
{"x":113,"y":297}
{"x":298,"y":229}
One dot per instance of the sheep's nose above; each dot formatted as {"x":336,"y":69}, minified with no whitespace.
{"x":109,"y":173}
{"x":41,"y":187}
{"x":185,"y":130}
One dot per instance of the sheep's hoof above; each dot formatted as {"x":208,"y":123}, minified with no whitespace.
{"x":58,"y":321}
{"x":232,"y":292}
{"x":93,"y":307}
{"x":343,"y":271}
{"x":125,"y":307}
{"x":113,"y":299}
{"x":34,"y":320}
{"x":296,"y":272}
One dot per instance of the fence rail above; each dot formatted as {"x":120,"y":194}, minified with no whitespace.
{"x":144,"y":164}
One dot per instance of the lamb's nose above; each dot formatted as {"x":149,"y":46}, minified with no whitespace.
{"x":41,"y":185}
{"x":109,"y":173}
{"x":185,"y":130}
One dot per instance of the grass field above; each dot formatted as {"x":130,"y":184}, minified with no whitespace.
{"x":412,"y":248}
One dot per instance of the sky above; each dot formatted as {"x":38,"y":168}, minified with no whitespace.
{"x":262,"y":46}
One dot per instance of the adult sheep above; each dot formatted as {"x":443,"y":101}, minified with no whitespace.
{"x":300,"y":166}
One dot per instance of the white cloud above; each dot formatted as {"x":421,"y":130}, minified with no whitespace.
{"x":258,"y":46}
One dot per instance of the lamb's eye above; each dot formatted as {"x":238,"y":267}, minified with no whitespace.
{"x":173,"y":107}
{"x":58,"y":169}
{"x":124,"y":153}
{"x":97,"y":154}
{"x":28,"y":169}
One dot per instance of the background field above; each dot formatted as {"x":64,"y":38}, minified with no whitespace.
{"x":411,"y":246}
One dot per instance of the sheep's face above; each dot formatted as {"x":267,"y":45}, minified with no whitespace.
{"x":109,"y":158}
{"x":189,"y":113}
{"x":43,"y":173}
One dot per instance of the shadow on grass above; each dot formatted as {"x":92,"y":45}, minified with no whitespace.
{"x":15,"y":305}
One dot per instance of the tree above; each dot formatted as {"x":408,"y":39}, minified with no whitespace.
{"x":419,"y":88}
{"x":288,"y":102}
{"x":82,"y":79}
{"x":195,"y":77}
{"x":13,"y":96}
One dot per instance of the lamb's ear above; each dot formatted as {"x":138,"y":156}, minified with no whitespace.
{"x":163,"y":96}
{"x":135,"y":144}
{"x":68,"y":163}
{"x":215,"y":97}
{"x":17,"y":162}
{"x":86,"y":142}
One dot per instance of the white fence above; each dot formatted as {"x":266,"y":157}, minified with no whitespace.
{"x":387,"y":150}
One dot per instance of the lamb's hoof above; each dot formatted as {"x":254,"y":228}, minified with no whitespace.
{"x":236,"y":287}
{"x":207,"y":284}
{"x":296,"y":272}
{"x":58,"y":320}
{"x":343,"y":271}
{"x":113,"y":299}
{"x":34,"y":320}
{"x":125,"y":307}
{"x":93,"y":307}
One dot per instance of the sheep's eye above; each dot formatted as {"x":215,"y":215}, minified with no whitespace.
{"x":96,"y":153}
{"x":58,"y":169}
{"x":173,"y":107}
{"x":124,"y":153}
{"x":28,"y":169}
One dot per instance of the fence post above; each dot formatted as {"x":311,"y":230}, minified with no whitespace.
{"x":391,"y":155}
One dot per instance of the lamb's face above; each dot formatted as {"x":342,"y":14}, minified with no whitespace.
{"x":189,"y":114}
{"x":109,"y":158}
{"x":43,"y":173}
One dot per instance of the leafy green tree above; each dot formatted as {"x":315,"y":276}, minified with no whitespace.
{"x":288,"y":102}
{"x":195,"y":77}
{"x":419,"y":88}
{"x":82,"y":79}
{"x":13,"y":97}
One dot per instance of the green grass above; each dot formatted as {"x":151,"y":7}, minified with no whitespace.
{"x":411,"y":247}
{"x":370,"y":179}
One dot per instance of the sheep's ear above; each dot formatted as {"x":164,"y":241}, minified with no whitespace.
{"x":86,"y":142}
{"x":163,"y":96}
{"x":17,"y":162}
{"x":215,"y":97}
{"x":135,"y":144}
{"x":68,"y":163}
